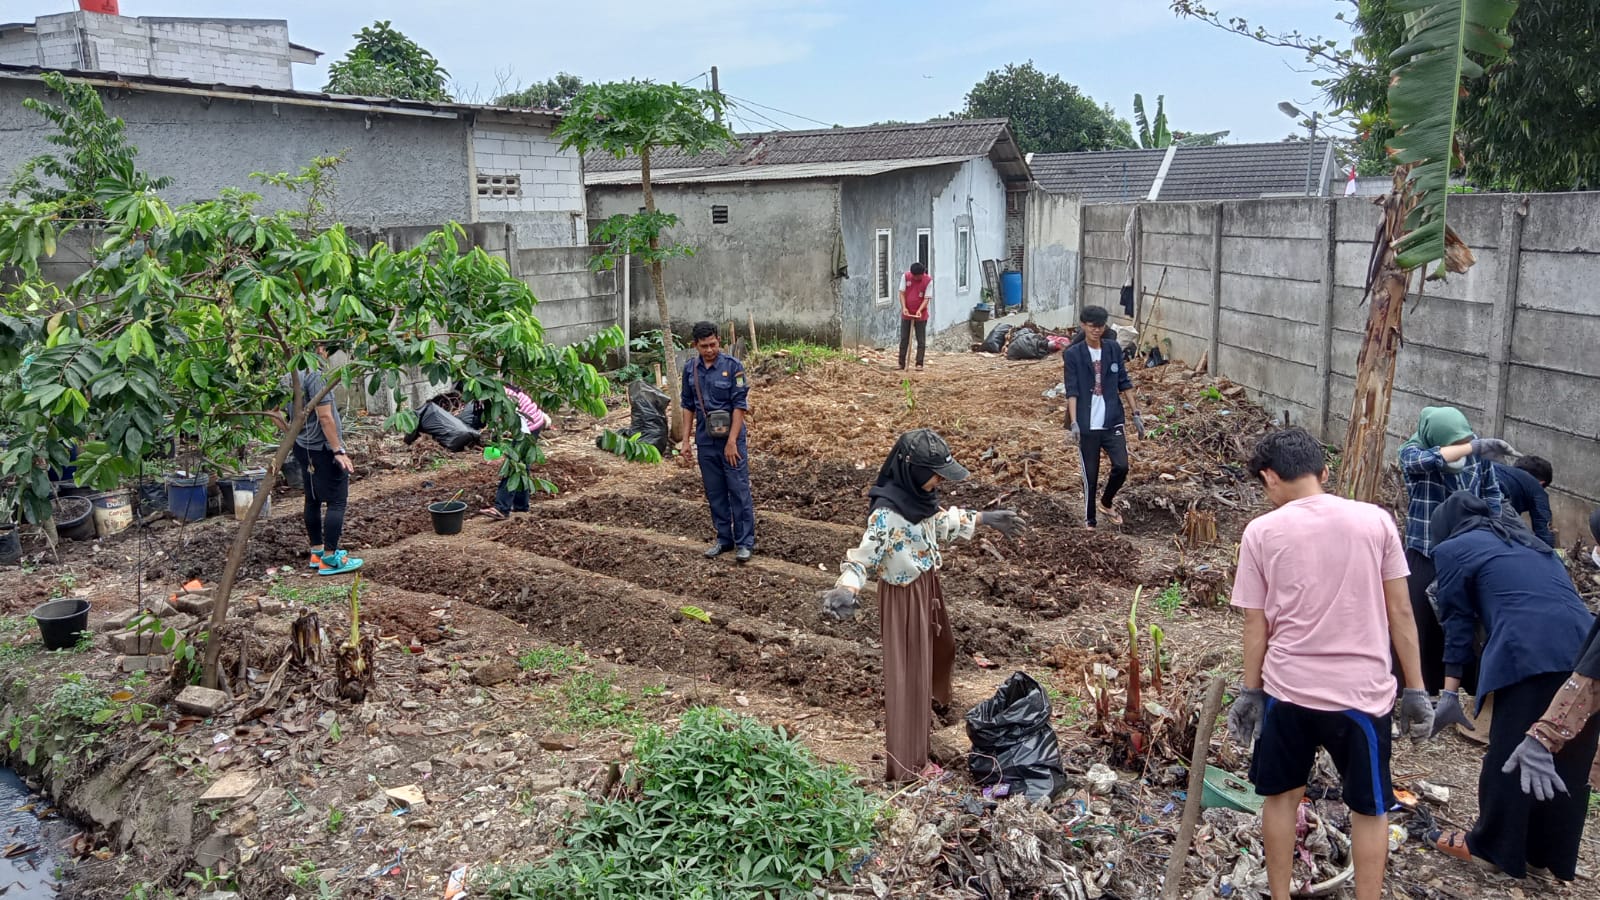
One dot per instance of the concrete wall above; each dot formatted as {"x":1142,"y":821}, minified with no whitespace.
{"x":1272,"y":291}
{"x":975,"y":197}
{"x":546,"y":202}
{"x":1052,"y":236}
{"x":773,"y":258}
{"x":575,"y":303}
{"x":399,"y":170}
{"x":246,"y":52}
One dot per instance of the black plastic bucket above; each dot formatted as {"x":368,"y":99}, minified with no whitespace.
{"x":447,"y":516}
{"x":74,"y":517}
{"x":10,"y":546}
{"x":61,"y":621}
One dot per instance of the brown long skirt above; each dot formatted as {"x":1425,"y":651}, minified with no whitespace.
{"x":918,"y":652}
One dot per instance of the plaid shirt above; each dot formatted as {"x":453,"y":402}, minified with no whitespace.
{"x":1429,"y":484}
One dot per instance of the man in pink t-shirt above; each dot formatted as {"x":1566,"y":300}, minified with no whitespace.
{"x":1322,"y":582}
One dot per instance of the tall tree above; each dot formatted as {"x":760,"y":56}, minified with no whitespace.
{"x":386,"y":63}
{"x":637,"y":118}
{"x":1531,"y":121}
{"x":1047,"y":115}
{"x":1445,"y":42}
{"x":554,"y":93}
{"x":193,"y":323}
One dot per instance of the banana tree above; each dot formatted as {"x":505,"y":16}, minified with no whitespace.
{"x":1445,"y":41}
{"x":1152,"y":135}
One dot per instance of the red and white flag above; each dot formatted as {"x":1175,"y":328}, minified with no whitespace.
{"x":109,"y":7}
{"x":1350,"y":186}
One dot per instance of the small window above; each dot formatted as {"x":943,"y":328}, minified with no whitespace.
{"x":503,"y":187}
{"x":925,"y":248}
{"x":719,"y":215}
{"x":882,"y":274}
{"x":963,"y":258}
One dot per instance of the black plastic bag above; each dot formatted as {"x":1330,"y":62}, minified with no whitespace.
{"x":1028,"y":345}
{"x":1012,"y":740}
{"x":471,"y":415}
{"x":996,"y":341}
{"x":648,"y":405}
{"x":448,"y":430}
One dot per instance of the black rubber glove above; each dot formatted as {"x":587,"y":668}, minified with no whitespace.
{"x":840,"y":604}
{"x":1415,"y":714}
{"x":1539,"y":776}
{"x":1244,"y":716}
{"x":1006,"y":521}
{"x":1448,"y":712}
{"x":1493,"y":449}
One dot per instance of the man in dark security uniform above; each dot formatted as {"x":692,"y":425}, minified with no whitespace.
{"x":715,"y":398}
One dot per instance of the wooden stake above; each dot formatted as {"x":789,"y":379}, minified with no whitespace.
{"x":658,"y":375}
{"x":754,"y":347}
{"x":1172,"y":887}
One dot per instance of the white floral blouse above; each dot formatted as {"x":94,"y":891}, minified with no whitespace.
{"x":899,"y":551}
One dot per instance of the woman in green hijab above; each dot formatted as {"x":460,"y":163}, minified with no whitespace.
{"x":1442,"y":457}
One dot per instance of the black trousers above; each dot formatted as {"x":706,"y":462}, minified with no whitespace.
{"x":327,"y":485}
{"x":1115,"y":445}
{"x":1514,"y":830}
{"x":921,"y":326}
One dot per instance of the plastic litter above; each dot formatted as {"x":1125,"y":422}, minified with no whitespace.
{"x":1012,"y":740}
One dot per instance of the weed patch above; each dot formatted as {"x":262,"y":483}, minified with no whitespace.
{"x":592,"y":702}
{"x":726,"y":807}
{"x":551,"y":660}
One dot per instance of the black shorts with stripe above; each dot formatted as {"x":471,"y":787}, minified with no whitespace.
{"x":1357,"y":741}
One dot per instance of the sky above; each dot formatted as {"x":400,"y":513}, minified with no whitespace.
{"x":825,"y":62}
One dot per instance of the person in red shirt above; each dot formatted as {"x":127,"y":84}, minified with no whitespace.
{"x":916,"y":291}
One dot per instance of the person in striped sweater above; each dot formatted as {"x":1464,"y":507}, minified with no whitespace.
{"x":534,"y":421}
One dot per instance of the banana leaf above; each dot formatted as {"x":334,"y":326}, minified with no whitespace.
{"x":1445,"y":39}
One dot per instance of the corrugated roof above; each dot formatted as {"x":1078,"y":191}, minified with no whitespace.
{"x":1223,"y":172}
{"x":782,"y":172}
{"x":397,"y":106}
{"x":954,"y":140}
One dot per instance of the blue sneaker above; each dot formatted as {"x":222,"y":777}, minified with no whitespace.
{"x":337,"y":563}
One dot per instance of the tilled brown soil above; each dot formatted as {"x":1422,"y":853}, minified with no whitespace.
{"x":562,"y":604}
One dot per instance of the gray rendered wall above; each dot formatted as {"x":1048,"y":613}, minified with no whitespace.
{"x":901,"y":202}
{"x":1054,"y":225}
{"x":773,"y":258}
{"x":1272,"y":290}
{"x":399,"y":169}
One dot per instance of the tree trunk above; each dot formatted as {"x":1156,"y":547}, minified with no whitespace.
{"x":659,"y":285}
{"x":1362,"y":463}
{"x":241,"y":542}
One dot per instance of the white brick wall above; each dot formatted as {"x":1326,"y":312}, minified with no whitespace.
{"x":549,"y":176}
{"x":237,"y":52}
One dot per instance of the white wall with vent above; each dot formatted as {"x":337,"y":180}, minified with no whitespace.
{"x":522,"y":176}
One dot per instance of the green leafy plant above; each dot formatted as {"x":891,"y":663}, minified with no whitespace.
{"x":1170,"y":600}
{"x":195,"y":323}
{"x":726,"y":807}
{"x":1211,"y":393}
{"x":386,"y":63}
{"x":209,"y":880}
{"x":551,"y":660}
{"x":18,"y":639}
{"x":591,"y":702}
{"x":639,"y":118}
{"x":335,"y":820}
{"x":910,"y":394}
{"x":629,"y":447}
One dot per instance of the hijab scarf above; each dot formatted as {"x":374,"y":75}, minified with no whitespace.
{"x":899,"y":485}
{"x":1463,"y":511}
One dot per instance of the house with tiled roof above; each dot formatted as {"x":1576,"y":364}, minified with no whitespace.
{"x":809,"y":232}
{"x":1222,"y":172}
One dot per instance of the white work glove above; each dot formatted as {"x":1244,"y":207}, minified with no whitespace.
{"x":1493,"y":449}
{"x":1073,"y":435}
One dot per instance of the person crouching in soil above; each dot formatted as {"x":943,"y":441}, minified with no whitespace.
{"x":905,"y":527}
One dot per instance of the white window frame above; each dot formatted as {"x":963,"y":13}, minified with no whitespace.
{"x":928,"y":234}
{"x":882,"y":266}
{"x":963,"y":259}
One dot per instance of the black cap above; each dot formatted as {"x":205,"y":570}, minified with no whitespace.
{"x":928,"y":450}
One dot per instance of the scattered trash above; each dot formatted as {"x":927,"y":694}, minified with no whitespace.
{"x":1101,"y":779}
{"x":456,"y":886}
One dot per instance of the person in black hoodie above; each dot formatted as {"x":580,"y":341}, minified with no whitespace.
{"x":1098,"y":391}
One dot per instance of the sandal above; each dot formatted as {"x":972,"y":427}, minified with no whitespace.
{"x":1111,"y":514}
{"x":491,"y":513}
{"x":1451,"y":843}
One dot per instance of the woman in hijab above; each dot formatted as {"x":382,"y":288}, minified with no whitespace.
{"x":1492,"y":571}
{"x":905,"y":527}
{"x":1442,"y":457}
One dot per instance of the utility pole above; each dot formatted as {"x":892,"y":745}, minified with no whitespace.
{"x":1311,"y":156}
{"x":716,"y":88}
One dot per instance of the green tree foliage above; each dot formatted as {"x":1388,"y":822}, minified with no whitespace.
{"x":637,"y":118}
{"x":91,"y":143}
{"x":1047,"y":115}
{"x":194,"y":322}
{"x":386,"y":63}
{"x":1155,"y":133}
{"x":1529,"y":121}
{"x":554,"y":93}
